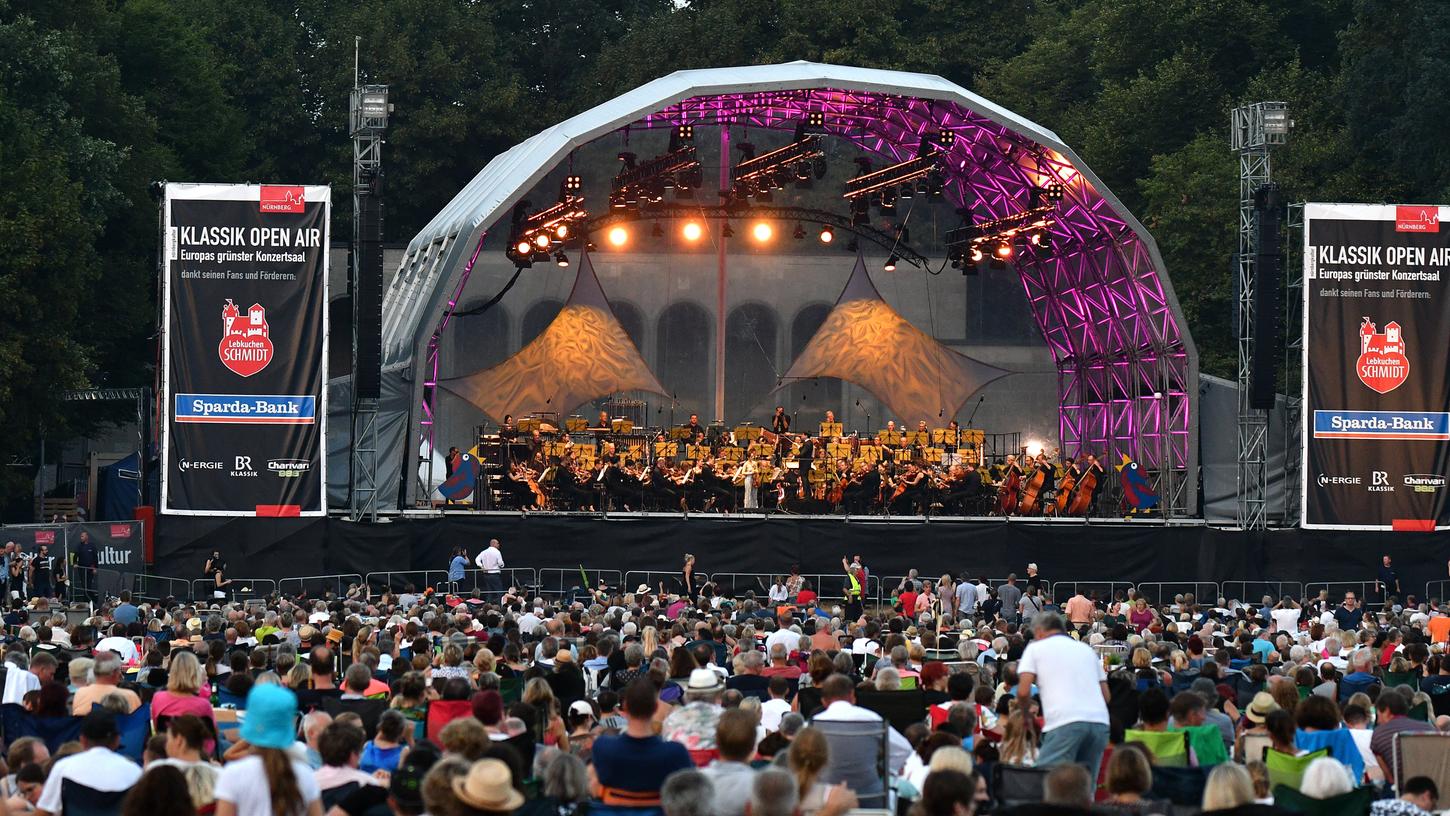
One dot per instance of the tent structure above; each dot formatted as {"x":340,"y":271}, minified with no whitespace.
{"x":1127,"y":367}
{"x":584,"y":353}
{"x":865,"y":341}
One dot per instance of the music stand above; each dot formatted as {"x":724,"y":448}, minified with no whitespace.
{"x":666,"y":450}
{"x":832,"y":429}
{"x":576,"y":424}
{"x":679,"y":432}
{"x":621,"y":425}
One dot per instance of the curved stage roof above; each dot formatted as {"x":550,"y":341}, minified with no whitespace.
{"x":1127,"y":367}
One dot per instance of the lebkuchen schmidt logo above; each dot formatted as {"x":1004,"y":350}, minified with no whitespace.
{"x":1382,"y":365}
{"x":1417,"y":218}
{"x":245,"y":347}
{"x":282,"y":200}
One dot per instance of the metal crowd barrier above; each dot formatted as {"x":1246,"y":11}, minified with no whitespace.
{"x":1274,"y":589}
{"x":1160,"y":591}
{"x":1337,"y":589}
{"x":337,"y":584}
{"x":672,"y":579}
{"x":523,"y":577}
{"x":1436,"y":590}
{"x":398,"y":580}
{"x":158,"y":587}
{"x":202,"y":588}
{"x":558,"y":580}
{"x":1063,"y":590}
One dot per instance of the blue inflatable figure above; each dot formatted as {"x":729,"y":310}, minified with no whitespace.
{"x":1138,"y":495}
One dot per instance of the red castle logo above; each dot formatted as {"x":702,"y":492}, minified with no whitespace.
{"x":245,"y":347}
{"x":280,"y":199}
{"x":1382,"y":365}
{"x":1417,"y":218}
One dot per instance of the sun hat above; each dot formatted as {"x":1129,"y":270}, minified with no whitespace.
{"x":704,"y":680}
{"x":564,"y":656}
{"x":271,"y":717}
{"x":1261,"y":707}
{"x":643,"y":589}
{"x":193,"y":624}
{"x":488,"y":786}
{"x":581,"y":707}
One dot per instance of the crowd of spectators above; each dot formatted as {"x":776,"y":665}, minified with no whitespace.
{"x":724,"y":704}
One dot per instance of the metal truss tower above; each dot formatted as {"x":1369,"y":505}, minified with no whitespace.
{"x":1254,"y":130}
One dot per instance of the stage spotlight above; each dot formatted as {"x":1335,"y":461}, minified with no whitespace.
{"x":762,"y":231}
{"x":692,"y":230}
{"x":816,"y":118}
{"x":561,"y":259}
{"x":1002,"y":250}
{"x":618,"y":236}
{"x":827,"y":235}
{"x":561,"y":231}
{"x":907,"y":191}
{"x":657,"y":230}
{"x":800,"y":232}
{"x":685,"y":132}
{"x":726,"y":231}
{"x":976,"y":255}
{"x":542,"y":240}
{"x":1032,"y":448}
{"x":573,"y":183}
{"x":524,"y":248}
{"x":890,"y":264}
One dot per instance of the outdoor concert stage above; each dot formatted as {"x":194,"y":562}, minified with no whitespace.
{"x":1138,"y":551}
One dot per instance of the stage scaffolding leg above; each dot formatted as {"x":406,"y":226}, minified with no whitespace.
{"x":365,"y":462}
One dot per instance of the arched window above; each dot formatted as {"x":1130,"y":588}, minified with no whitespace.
{"x":812,"y":398}
{"x":538,"y":318}
{"x":475,"y":341}
{"x":682,"y":359}
{"x":632,"y":319}
{"x":750,"y":367}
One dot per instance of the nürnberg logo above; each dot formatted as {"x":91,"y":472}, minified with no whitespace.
{"x":1382,"y":365}
{"x":245,"y":347}
{"x":278,"y":199}
{"x":1417,"y":218}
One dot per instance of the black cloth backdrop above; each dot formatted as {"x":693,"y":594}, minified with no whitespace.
{"x":278,"y":548}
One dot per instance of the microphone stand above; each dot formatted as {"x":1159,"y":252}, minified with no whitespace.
{"x":868,"y":418}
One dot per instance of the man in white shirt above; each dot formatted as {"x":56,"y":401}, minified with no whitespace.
{"x":838,"y":695}
{"x":1286,"y":616}
{"x":784,"y":636}
{"x":1074,"y":692}
{"x":491,"y":562}
{"x":966,"y":598}
{"x":98,"y":767}
{"x":18,"y":681}
{"x":777,"y":706}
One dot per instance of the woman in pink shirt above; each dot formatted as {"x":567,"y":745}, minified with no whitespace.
{"x":186,"y":678}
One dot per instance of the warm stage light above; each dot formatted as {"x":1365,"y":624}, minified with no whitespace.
{"x":1003,"y":250}
{"x":976,"y":255}
{"x":541,"y":241}
{"x":890,"y":264}
{"x":762,"y":231}
{"x":561,"y":231}
{"x":827,"y":235}
{"x":1033,"y":448}
{"x":561,"y":259}
{"x":692,"y":230}
{"x":1035,"y":238}
{"x":524,"y":247}
{"x":618,"y":236}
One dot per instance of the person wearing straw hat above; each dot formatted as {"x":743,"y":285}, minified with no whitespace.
{"x":269,"y":781}
{"x":488,"y":788}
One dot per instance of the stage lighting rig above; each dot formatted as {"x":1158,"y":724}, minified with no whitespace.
{"x":999,"y":238}
{"x":645,"y":183}
{"x":755,"y":176}
{"x":533,"y":235}
{"x":921,"y":169}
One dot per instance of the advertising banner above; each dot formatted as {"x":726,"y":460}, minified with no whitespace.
{"x":1376,"y":367}
{"x":102,"y":555}
{"x":244,"y":350}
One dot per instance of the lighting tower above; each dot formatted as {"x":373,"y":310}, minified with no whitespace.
{"x":1254,"y":130}
{"x":368,"y":119}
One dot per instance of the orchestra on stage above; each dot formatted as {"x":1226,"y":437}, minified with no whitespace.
{"x":610,"y":465}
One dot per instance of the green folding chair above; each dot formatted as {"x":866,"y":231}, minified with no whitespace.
{"x":1169,"y":749}
{"x":1356,"y":801}
{"x":1408,"y":678}
{"x":1207,"y":744}
{"x":1289,"y":770}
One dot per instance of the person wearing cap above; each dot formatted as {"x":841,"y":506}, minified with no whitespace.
{"x":693,"y":724}
{"x":269,"y":782}
{"x":97,"y":766}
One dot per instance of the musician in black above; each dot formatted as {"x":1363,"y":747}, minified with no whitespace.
{"x":780,"y":422}
{"x":1088,"y":465}
{"x":508,"y":430}
{"x":695,"y":429}
{"x":912,"y":485}
{"x":963,"y":489}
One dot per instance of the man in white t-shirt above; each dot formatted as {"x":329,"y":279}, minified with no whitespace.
{"x":1286,"y":616}
{"x":98,"y":767}
{"x":1074,"y":692}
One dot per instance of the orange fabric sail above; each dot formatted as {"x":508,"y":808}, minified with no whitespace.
{"x":866,"y":342}
{"x":584,"y":354}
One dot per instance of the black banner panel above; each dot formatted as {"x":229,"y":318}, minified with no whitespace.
{"x":1377,"y":377}
{"x":245,"y":350}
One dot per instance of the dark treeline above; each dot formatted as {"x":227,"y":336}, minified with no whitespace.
{"x":100,"y":97}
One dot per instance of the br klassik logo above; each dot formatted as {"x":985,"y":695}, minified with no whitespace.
{"x":1382,"y":365}
{"x":245,"y":346}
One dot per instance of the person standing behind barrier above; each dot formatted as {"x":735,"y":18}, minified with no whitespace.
{"x":456,"y":568}
{"x":491,"y":562}
{"x":1074,"y":693}
{"x":86,"y":559}
{"x":855,"y":583}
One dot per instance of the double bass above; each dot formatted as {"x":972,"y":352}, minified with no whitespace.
{"x":1082,"y":496}
{"x":1063,"y":500}
{"x":1011,"y":486}
{"x":1032,"y":492}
